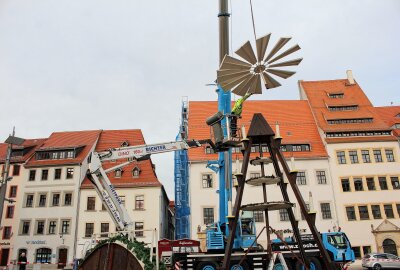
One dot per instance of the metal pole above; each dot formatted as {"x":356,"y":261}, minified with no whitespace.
{"x":5,"y":174}
{"x":224,"y":105}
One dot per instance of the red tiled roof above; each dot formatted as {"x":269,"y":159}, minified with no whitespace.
{"x":296,"y":122}
{"x":59,"y":140}
{"x":113,"y":139}
{"x":29,"y":144}
{"x":317,"y":95}
{"x":391,"y":115}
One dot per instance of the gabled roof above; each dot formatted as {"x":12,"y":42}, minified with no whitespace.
{"x":29,"y":147}
{"x":66,"y":140}
{"x":113,"y":139}
{"x":297,"y":125}
{"x":317,"y":93}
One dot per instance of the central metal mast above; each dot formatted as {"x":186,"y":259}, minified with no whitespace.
{"x":224,"y":105}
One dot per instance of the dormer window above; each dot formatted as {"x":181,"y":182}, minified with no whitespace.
{"x":398,"y":116}
{"x":70,"y":154}
{"x":335,"y":95}
{"x":125,"y":144}
{"x":343,"y":108}
{"x":118,"y":173}
{"x":136,"y":172}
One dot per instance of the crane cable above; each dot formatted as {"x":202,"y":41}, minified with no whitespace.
{"x":252,"y":19}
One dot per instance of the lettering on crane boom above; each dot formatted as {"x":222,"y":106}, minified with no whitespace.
{"x":111,"y":207}
{"x":155,"y":148}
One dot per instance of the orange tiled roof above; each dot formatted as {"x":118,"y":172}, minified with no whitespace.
{"x":391,"y":115}
{"x":113,"y":139}
{"x":317,"y":95}
{"x":30,"y":145}
{"x":296,"y":122}
{"x":67,"y":139}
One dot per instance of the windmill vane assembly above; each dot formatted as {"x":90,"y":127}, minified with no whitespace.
{"x":246,"y":76}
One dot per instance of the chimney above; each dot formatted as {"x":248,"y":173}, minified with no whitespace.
{"x":350,"y":77}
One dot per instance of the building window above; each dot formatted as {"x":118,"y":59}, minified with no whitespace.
{"x":70,"y":154}
{"x":343,"y":108}
{"x":371,"y":183}
{"x":42,"y":200}
{"x":65,"y":226}
{"x":208,"y":215}
{"x":104,"y":229}
{"x":326,"y":210}
{"x":376,"y":211}
{"x":258,"y":216}
{"x":358,"y":184}
{"x":346,"y":185}
{"x":336,"y":95}
{"x":70,"y":173}
{"x":122,"y":200}
{"x":56,"y":199}
{"x":6,"y":232}
{"x":139,"y":202}
{"x":13,"y":192}
{"x":341,"y":157}
{"x":25,"y":227}
{"x":40,"y":227}
{"x":365,"y":156}
{"x":383,"y":183}
{"x":321,"y":177}
{"x":351,"y":213}
{"x":29,"y":200}
{"x":283,"y":215}
{"x":353,"y":156}
{"x":363,"y":211}
{"x":68,"y":199}
{"x":388,"y":210}
{"x":10,"y":211}
{"x":52,"y":227}
{"x":135,"y":172}
{"x":117,"y":173}
{"x":16,"y":169}
{"x":57,"y":174}
{"x":91,"y":204}
{"x":43,"y":255}
{"x":45,"y":175}
{"x":350,"y":121}
{"x":139,"y":226}
{"x":32,"y":175}
{"x":395,"y":182}
{"x":207,"y":180}
{"x":301,"y":178}
{"x":357,"y":252}
{"x":389,"y":155}
{"x":378,"y":156}
{"x":398,"y":209}
{"x":89,"y":229}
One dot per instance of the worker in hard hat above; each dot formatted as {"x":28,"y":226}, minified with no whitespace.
{"x":237,"y":113}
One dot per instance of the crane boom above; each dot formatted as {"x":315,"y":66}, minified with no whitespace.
{"x":98,"y":175}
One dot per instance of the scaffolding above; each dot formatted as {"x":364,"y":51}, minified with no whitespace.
{"x":181,"y":178}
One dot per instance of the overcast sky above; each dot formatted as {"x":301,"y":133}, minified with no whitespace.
{"x":95,"y":64}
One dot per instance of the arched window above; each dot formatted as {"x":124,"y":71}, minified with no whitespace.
{"x":136,"y":172}
{"x":389,"y":246}
{"x":43,"y":255}
{"x":118,"y":173}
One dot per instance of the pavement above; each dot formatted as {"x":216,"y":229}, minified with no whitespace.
{"x":356,"y":265}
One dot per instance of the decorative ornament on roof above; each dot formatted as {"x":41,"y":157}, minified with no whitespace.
{"x":247,"y":76}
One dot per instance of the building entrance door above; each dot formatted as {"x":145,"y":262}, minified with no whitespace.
{"x":389,"y":246}
{"x":5,"y":252}
{"x":62,"y":257}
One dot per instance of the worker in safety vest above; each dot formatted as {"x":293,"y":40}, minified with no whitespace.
{"x":237,"y":113}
